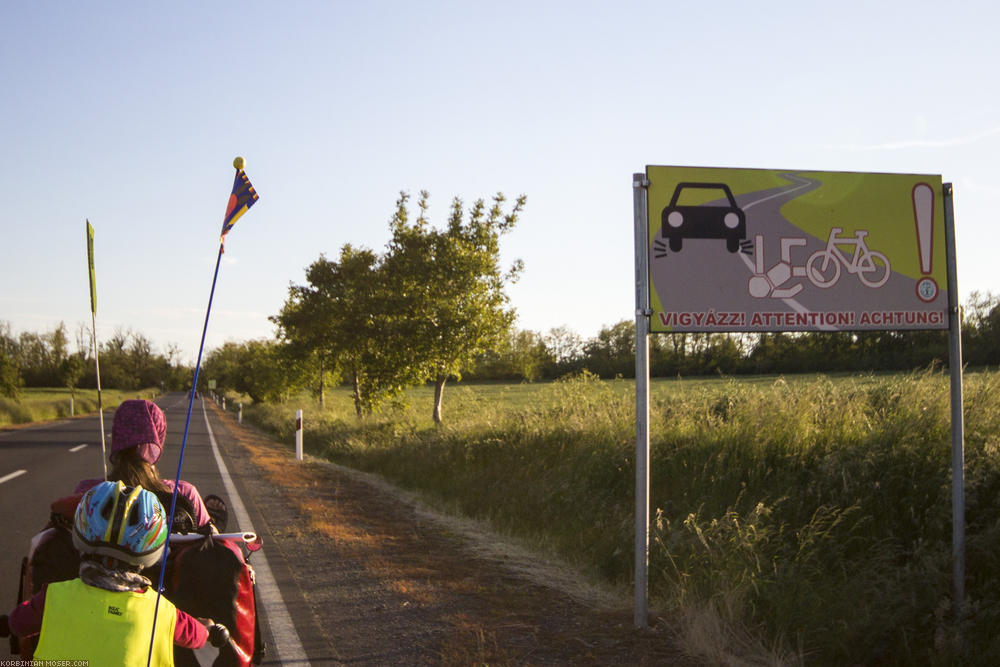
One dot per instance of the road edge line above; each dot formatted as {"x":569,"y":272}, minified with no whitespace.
{"x":288,"y":645}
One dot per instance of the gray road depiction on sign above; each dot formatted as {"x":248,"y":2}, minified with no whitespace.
{"x":773,"y":271}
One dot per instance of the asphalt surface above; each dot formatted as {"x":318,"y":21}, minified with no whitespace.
{"x":48,"y":462}
{"x":39,"y":464}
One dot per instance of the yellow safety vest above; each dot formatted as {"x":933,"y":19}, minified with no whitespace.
{"x":83,"y":622}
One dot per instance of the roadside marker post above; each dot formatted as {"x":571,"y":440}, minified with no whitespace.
{"x":239,"y":414}
{"x":298,"y":435}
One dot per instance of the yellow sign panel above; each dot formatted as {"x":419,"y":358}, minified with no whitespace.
{"x":791,"y":250}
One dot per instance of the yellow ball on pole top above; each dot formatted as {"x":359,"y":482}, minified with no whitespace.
{"x":239,"y":163}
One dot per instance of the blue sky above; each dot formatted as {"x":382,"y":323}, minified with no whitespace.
{"x":130,"y":115}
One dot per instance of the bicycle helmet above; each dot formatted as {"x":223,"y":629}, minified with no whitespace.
{"x":128,"y":524}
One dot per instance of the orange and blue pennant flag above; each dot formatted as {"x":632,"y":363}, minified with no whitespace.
{"x":241,"y":199}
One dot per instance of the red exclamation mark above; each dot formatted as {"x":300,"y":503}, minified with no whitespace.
{"x":923,"y":216}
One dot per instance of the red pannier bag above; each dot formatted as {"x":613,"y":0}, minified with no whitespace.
{"x":209,"y":579}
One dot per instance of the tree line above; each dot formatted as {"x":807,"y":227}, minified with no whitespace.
{"x":432,"y":307}
{"x":270,"y":370}
{"x":128,"y":361}
{"x":528,"y":355}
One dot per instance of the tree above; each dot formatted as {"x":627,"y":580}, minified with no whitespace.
{"x":264,"y":373}
{"x":141,"y":366}
{"x":71,"y":371}
{"x":981,"y":327}
{"x":522,"y":356}
{"x":612,"y":352}
{"x":447,"y":286}
{"x":346,"y":318}
{"x":223,"y":365}
{"x":256,"y":368}
{"x":305,"y":333}
{"x":114,"y":361}
{"x":33,"y":359}
{"x":10,"y":376}
{"x":721,"y":354}
{"x":565,"y":348}
{"x":58,"y":343}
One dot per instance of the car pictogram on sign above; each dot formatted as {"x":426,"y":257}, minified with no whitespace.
{"x":724,"y":220}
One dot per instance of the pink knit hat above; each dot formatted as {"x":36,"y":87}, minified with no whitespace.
{"x":141,"y":424}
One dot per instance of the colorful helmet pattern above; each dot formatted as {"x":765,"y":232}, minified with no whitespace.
{"x":124,"y":523}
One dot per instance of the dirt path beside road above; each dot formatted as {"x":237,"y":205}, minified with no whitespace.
{"x":388,"y":582}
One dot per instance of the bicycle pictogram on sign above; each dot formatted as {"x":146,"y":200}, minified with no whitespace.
{"x":824,"y":266}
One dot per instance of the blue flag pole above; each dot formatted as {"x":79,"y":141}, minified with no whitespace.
{"x":180,"y":461}
{"x":241,"y":199}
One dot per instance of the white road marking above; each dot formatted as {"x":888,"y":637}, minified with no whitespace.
{"x":288,"y":646}
{"x":16,"y":473}
{"x":791,"y":303}
{"x":77,"y":448}
{"x":779,"y":194}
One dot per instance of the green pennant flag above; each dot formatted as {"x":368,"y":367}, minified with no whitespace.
{"x":90,"y":262}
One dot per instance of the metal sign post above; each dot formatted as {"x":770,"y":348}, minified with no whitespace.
{"x":639,"y":192}
{"x":957,"y":411}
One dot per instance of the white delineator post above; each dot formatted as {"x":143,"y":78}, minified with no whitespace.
{"x":239,"y":414}
{"x":298,"y":435}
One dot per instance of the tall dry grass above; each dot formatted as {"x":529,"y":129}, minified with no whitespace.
{"x":810,"y":516}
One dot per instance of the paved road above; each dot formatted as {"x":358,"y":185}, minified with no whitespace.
{"x":38,"y":465}
{"x":41,"y":463}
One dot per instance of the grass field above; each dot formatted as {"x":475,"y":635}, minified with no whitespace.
{"x":807,"y":518}
{"x":46,"y":404}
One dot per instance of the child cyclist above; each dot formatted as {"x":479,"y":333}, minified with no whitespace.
{"x":137,"y":438}
{"x":106,"y":614}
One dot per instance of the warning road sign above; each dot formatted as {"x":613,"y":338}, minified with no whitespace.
{"x":792,"y":250}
